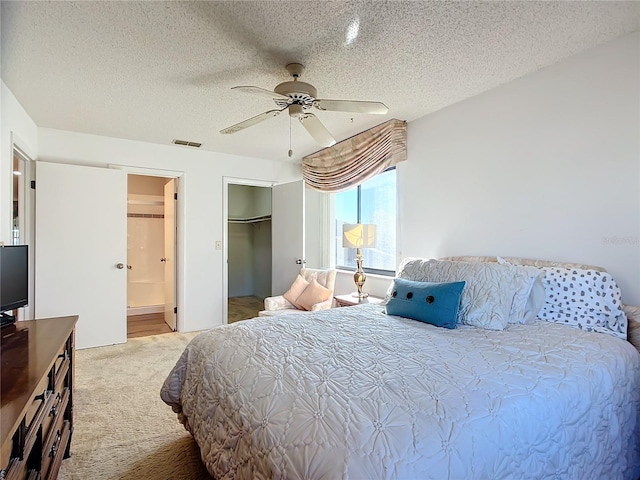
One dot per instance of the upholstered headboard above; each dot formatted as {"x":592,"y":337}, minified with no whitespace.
{"x":526,"y":261}
{"x":632,"y":311}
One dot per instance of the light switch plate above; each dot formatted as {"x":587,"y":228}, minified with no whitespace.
{"x":218,"y":245}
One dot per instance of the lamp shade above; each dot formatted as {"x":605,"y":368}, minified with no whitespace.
{"x":358,"y":235}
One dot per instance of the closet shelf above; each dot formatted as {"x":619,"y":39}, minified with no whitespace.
{"x":262,"y":218}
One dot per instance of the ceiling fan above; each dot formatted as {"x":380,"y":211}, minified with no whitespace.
{"x":299,"y":97}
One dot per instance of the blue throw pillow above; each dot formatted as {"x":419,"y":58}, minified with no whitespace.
{"x":434,"y":303}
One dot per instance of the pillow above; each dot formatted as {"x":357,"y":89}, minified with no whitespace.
{"x":535,"y":297}
{"x":491,"y":293}
{"x":434,"y":303}
{"x":314,"y":293}
{"x":586,"y":299}
{"x":297,"y":287}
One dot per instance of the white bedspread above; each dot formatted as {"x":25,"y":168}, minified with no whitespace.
{"x":352,"y":393}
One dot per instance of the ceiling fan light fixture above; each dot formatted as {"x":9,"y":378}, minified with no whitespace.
{"x":296,"y":111}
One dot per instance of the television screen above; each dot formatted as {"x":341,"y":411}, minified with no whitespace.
{"x":14,"y":277}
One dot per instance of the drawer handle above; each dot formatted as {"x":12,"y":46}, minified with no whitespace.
{"x":54,"y":447}
{"x":54,"y":408}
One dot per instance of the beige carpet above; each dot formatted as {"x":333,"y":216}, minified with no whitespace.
{"x":123,"y":430}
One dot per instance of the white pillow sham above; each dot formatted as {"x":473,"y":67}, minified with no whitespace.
{"x":492,"y":294}
{"x":535,"y":298}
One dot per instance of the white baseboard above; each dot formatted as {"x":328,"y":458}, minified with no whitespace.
{"x":144,"y":310}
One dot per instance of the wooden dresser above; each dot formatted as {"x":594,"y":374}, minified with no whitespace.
{"x":37,"y":397}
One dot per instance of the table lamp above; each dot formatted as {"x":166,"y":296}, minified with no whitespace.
{"x":359,"y":236}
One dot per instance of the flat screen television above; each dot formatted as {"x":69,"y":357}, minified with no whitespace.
{"x":14,"y":280}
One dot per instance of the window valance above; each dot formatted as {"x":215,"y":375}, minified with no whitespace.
{"x":356,"y":159}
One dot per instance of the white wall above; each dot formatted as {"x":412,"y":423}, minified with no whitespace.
{"x":250,"y":259}
{"x":200,"y":205}
{"x":261,"y":234}
{"x":545,"y":167}
{"x":240,"y":254}
{"x":248,"y":201}
{"x":240,"y":201}
{"x":261,"y":201}
{"x":15,"y":126}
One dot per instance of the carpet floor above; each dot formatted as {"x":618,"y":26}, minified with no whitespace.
{"x":123,"y":430}
{"x":243,"y":308}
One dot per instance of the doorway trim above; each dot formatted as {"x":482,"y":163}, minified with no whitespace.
{"x":226,"y":181}
{"x":21,"y":149}
{"x":179,"y":176}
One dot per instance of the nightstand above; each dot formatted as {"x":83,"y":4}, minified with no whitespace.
{"x":349,"y":300}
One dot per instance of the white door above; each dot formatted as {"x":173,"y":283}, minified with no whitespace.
{"x":287,"y":234}
{"x":81,"y":250}
{"x":169,"y":254}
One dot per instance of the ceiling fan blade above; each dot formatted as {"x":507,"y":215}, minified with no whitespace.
{"x":317,"y":130}
{"x":263,"y":92}
{"x":351,"y":106}
{"x":251,"y":121}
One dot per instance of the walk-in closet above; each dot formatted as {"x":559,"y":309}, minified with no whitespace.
{"x":249,"y":250}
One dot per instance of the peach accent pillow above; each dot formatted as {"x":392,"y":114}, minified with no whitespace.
{"x":297,"y":287}
{"x":314,"y":293}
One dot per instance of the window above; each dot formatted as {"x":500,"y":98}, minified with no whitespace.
{"x":373,"y":201}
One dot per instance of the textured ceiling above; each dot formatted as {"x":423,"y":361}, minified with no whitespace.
{"x":155,"y":71}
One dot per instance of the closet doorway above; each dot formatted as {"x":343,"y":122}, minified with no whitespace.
{"x":151,"y":255}
{"x":248,"y":250}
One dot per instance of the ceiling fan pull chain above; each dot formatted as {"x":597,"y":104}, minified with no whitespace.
{"x":290,"y":150}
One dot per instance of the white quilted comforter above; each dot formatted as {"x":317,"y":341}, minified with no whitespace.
{"x":352,"y":393}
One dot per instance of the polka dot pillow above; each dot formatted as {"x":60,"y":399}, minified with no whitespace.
{"x":585,"y":299}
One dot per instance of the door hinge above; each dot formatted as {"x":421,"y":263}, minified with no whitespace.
{"x":175,"y":309}
{"x":33,"y":184}
{"x":175,"y":196}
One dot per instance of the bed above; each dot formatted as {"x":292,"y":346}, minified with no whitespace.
{"x":356,"y":393}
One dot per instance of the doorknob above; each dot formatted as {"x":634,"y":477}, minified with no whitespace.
{"x":163,"y":259}
{"x":129,"y":267}
{"x":120,"y":266}
{"x":300,"y":261}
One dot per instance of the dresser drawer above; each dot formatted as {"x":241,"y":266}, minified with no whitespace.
{"x":59,"y":403}
{"x":44,"y":401}
{"x":61,"y":366}
{"x":53,"y":435}
{"x":51,"y":465}
{"x":61,"y":376}
{"x":42,"y":387}
{"x":17,"y":469}
{"x":15,"y":452}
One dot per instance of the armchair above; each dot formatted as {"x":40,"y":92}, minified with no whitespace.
{"x":279,"y":305}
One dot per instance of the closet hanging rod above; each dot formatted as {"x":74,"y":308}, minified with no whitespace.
{"x":262,"y":218}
